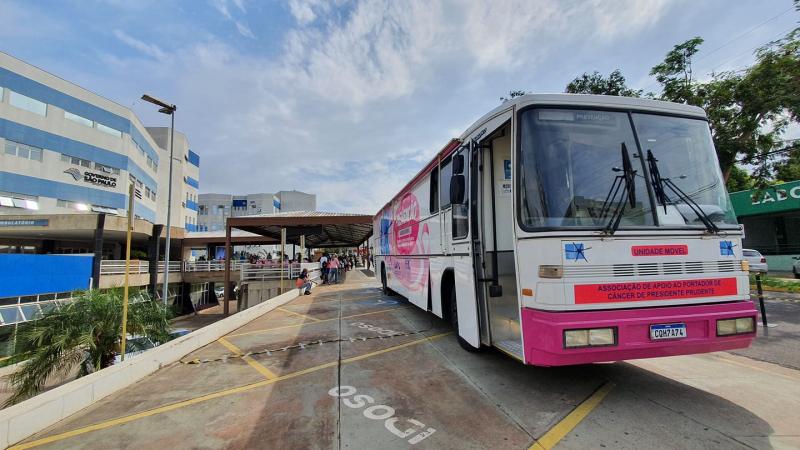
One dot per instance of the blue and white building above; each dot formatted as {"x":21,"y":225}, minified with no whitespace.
{"x":67,"y":150}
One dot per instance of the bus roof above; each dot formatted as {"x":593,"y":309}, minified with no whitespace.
{"x":590,"y":101}
{"x":568,"y":100}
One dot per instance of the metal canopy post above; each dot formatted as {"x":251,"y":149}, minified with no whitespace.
{"x":283,"y":255}
{"x":227,"y":294}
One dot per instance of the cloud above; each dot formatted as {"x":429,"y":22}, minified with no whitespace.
{"x":151,"y":50}
{"x":357,"y":95}
{"x":222,"y":6}
{"x":244,"y":30}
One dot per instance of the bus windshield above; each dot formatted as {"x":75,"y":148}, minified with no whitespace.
{"x":572,"y":164}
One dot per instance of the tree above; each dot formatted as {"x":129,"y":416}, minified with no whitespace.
{"x":788,"y":168}
{"x":675,"y":72}
{"x":84,"y":334}
{"x":595,"y":83}
{"x":749,"y":110}
{"x":739,"y":180}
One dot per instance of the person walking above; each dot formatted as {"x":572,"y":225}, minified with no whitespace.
{"x":333,"y":270}
{"x":323,"y":267}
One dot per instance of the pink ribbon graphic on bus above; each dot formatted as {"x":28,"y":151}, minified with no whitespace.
{"x":406,"y":239}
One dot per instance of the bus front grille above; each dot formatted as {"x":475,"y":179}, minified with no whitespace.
{"x":652,"y":269}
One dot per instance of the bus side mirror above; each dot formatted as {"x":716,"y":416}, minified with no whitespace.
{"x":457,"y":188}
{"x":458,"y":163}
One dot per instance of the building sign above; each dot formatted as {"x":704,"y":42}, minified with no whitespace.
{"x":96,"y":178}
{"x":778,"y":198}
{"x":24,"y":222}
{"x":240,"y":203}
{"x":91,"y":177}
{"x":644,"y":291}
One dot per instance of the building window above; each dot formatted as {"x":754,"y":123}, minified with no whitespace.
{"x":109,"y":130}
{"x":78,"y":119}
{"x":104,"y":168}
{"x":23,"y":150}
{"x":23,"y":201}
{"x":147,"y":192}
{"x":78,"y":161}
{"x":27,"y":103}
{"x":1,"y":93}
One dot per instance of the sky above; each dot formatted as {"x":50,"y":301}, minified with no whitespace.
{"x":348,"y":99}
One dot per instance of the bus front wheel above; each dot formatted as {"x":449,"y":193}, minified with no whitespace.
{"x":454,"y":322}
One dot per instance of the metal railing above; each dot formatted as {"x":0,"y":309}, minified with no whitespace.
{"x":252,"y":272}
{"x":174,"y":266}
{"x":210,"y":266}
{"x":117,"y":267}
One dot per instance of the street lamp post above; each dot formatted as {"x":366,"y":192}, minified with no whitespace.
{"x":168,"y":109}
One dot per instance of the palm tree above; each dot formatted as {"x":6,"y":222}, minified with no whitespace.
{"x":84,"y":333}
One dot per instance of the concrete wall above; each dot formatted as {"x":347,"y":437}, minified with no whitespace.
{"x":780,"y":263}
{"x":34,"y":415}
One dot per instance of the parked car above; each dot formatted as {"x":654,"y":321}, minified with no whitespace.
{"x":220,"y":291}
{"x":796,"y":266}
{"x":757,"y":262}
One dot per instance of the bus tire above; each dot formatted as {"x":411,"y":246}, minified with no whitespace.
{"x":384,"y":285}
{"x":454,"y":322}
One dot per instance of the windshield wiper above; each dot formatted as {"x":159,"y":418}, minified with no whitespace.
{"x":625,"y":183}
{"x":659,"y":183}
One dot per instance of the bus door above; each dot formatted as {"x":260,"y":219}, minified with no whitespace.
{"x":493,"y":243}
{"x":469,"y":326}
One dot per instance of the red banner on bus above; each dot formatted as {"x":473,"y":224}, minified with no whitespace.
{"x":643,"y":291}
{"x":660,"y":250}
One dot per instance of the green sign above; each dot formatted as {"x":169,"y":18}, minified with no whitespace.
{"x":778,"y":198}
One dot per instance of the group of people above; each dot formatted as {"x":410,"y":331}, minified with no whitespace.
{"x":332,"y":267}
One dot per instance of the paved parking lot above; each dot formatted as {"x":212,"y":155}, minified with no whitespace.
{"x":350,"y":368}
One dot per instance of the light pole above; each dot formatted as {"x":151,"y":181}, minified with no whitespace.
{"x":168,"y":109}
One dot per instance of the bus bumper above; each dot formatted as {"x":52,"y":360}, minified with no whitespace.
{"x":543,"y":332}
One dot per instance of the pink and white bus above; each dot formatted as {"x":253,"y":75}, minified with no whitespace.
{"x":568,"y":229}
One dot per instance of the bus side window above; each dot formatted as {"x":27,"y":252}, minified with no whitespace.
{"x":444,"y":184}
{"x":434,"y":197}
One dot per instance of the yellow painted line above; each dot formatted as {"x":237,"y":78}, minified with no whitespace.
{"x":268,"y":374}
{"x":203,"y":398}
{"x":313,"y":319}
{"x":267,"y":330}
{"x":567,"y":424}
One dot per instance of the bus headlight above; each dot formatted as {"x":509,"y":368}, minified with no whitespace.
{"x":741,"y":325}
{"x":591,"y":337}
{"x":745,"y":265}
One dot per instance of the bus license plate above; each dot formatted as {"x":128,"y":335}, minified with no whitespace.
{"x":668,"y":331}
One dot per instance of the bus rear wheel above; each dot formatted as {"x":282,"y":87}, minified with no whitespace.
{"x":454,"y":322}
{"x":383,"y":281}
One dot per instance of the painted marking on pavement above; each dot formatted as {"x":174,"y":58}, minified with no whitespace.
{"x":387,"y":414}
{"x":567,"y":424}
{"x":214,"y":395}
{"x":268,"y":374}
{"x":313,"y":319}
{"x":267,"y":330}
